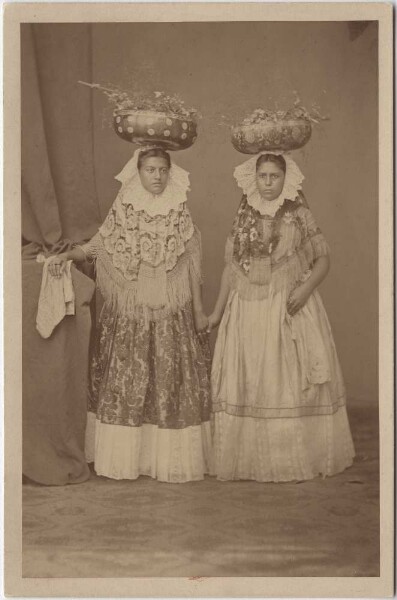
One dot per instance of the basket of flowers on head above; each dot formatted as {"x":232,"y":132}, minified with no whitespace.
{"x":156,"y":119}
{"x":275,"y":130}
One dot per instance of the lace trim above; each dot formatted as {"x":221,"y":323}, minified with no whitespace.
{"x":133,"y":193}
{"x":160,"y":204}
{"x":265,"y":207}
{"x":92,"y":247}
{"x":132,"y":237}
{"x":245,"y":175}
{"x":156,"y":292}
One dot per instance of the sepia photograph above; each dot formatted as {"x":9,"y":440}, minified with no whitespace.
{"x":199,"y":209}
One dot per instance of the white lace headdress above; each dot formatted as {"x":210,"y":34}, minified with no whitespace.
{"x":132,"y":191}
{"x":245,"y":175}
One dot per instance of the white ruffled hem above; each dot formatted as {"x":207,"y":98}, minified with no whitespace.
{"x":275,"y":450}
{"x":168,"y":455}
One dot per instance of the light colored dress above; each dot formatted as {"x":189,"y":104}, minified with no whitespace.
{"x":149,"y":410}
{"x":279,"y":399}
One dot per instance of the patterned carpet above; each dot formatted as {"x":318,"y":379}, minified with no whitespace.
{"x":105,"y":528}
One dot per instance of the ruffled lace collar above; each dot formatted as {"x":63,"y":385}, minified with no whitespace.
{"x":133,"y":193}
{"x":245,"y":175}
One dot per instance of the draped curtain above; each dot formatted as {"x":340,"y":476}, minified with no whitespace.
{"x":59,"y":199}
{"x":59,"y":206}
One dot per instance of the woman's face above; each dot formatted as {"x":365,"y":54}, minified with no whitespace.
{"x":270,"y":180}
{"x":154,"y":174}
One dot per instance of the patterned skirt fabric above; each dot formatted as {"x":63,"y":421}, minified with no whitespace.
{"x":150,"y":393}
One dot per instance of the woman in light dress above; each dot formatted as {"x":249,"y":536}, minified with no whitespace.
{"x":279,"y":401}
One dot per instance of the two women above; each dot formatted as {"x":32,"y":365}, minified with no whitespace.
{"x":277,"y":391}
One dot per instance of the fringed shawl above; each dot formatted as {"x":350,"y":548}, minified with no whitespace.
{"x":146,"y":272}
{"x":280,"y":251}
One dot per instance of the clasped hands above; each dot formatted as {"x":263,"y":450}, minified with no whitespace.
{"x":205,"y":324}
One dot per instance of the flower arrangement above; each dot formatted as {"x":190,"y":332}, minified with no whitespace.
{"x":154,"y":118}
{"x":285,"y":130}
{"x":297,"y":112}
{"x":276,"y":115}
{"x":157,"y":101}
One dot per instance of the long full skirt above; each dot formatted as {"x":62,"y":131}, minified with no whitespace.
{"x":150,"y":399}
{"x":278,"y":393}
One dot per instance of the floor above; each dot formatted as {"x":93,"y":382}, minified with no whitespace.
{"x":105,"y":528}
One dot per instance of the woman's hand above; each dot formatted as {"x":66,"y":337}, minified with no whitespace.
{"x":302,"y":293}
{"x":213,"y":321}
{"x":298,"y":299}
{"x":57,"y":264}
{"x":200,"y":321}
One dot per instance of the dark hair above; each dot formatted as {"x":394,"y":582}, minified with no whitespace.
{"x":153,"y":152}
{"x":277,"y":159}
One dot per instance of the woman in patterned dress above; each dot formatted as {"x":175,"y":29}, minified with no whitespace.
{"x":149,"y":408}
{"x":278,"y":396}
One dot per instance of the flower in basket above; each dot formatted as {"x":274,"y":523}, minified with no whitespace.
{"x":283,"y":130}
{"x":156,"y":118}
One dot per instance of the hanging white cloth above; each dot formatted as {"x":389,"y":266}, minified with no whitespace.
{"x":56,"y":300}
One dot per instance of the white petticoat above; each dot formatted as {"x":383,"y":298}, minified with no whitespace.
{"x":168,"y":455}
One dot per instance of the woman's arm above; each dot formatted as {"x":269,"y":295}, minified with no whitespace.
{"x":302,"y":293}
{"x":215,"y":318}
{"x":200,"y":318}
{"x":319,"y":272}
{"x":58,"y":262}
